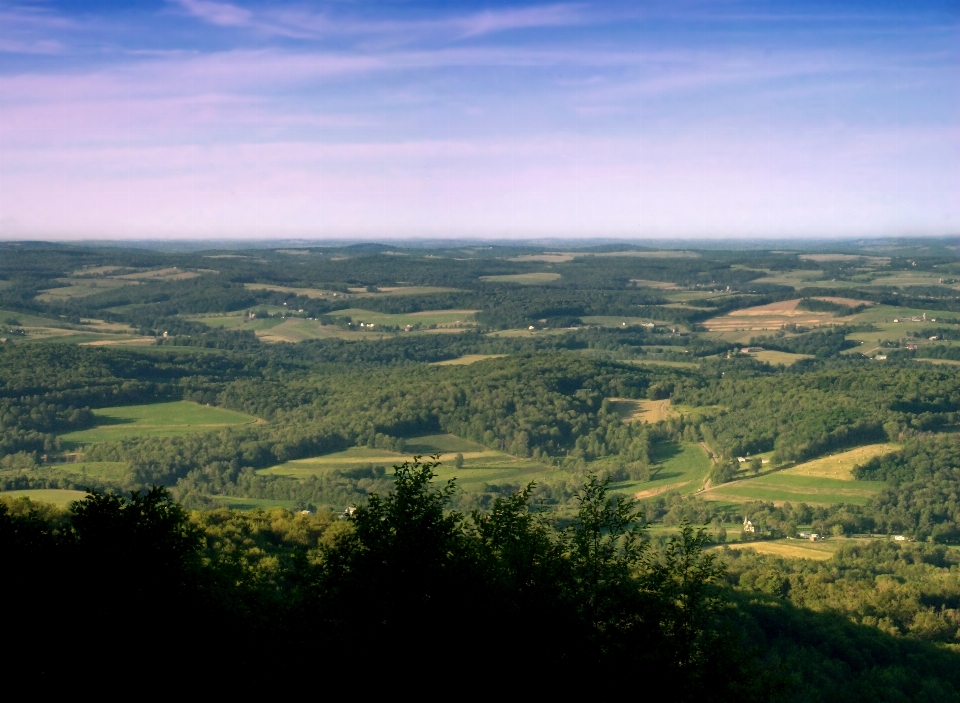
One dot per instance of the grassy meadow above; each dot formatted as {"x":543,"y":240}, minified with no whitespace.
{"x":680,"y":467}
{"x":446,"y":318}
{"x":780,"y":487}
{"x":155,"y":420}
{"x":480,"y":465}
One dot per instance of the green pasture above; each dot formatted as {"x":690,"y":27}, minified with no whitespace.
{"x":524,"y":279}
{"x":781,"y":487}
{"x":155,"y":420}
{"x":681,"y":467}
{"x":235,"y":503}
{"x":9,"y":318}
{"x":902,"y":279}
{"x":887,"y":313}
{"x":57,"y":496}
{"x":429,"y":317}
{"x":80,"y":288}
{"x":103,"y":470}
{"x":614,"y":321}
{"x":480,"y":465}
{"x":658,"y":362}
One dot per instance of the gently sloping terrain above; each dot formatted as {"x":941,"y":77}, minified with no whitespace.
{"x":155,"y":420}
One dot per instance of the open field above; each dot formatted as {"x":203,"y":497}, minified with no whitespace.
{"x":361,"y":293}
{"x":792,"y":548}
{"x":888,"y":313}
{"x":481,"y":465}
{"x":909,"y":278}
{"x":849,"y":302}
{"x":155,"y":420}
{"x":680,"y":467}
{"x":659,"y":285}
{"x":840,"y":466}
{"x":166,"y":274}
{"x":80,"y":288}
{"x":652,"y":254}
{"x":234,"y":503}
{"x":946,"y":362}
{"x":631,"y":410}
{"x":659,"y":362}
{"x":620,"y":321}
{"x":42,"y":329}
{"x":445,"y":318}
{"x":548,"y":258}
{"x":290,"y":329}
{"x":524,"y":279}
{"x":467,"y":359}
{"x":774,"y":358}
{"x":768,"y":317}
{"x":57,"y":496}
{"x":780,"y":487}
{"x":105,"y":470}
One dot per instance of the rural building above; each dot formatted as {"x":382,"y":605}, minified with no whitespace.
{"x":748,"y":526}
{"x":812,"y":536}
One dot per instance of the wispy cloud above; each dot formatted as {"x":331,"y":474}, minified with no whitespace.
{"x":299,"y":23}
{"x":222,"y":14}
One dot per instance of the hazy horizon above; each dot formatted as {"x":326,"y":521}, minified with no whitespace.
{"x":196,"y":119}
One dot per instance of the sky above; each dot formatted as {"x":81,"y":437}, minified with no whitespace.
{"x":722,"y":118}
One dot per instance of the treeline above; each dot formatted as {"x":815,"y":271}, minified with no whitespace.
{"x":807,"y":411}
{"x":589,"y":595}
{"x":819,"y":343}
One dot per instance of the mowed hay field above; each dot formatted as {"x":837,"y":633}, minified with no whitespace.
{"x":57,"y":496}
{"x":768,"y":317}
{"x":155,"y":420}
{"x":824,"y":481}
{"x":794,"y":548}
{"x":480,"y":465}
{"x":840,"y":466}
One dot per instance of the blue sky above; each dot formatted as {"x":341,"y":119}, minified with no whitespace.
{"x":195,"y":118}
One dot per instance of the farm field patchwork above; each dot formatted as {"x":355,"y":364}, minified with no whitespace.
{"x":155,"y":420}
{"x":768,"y":317}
